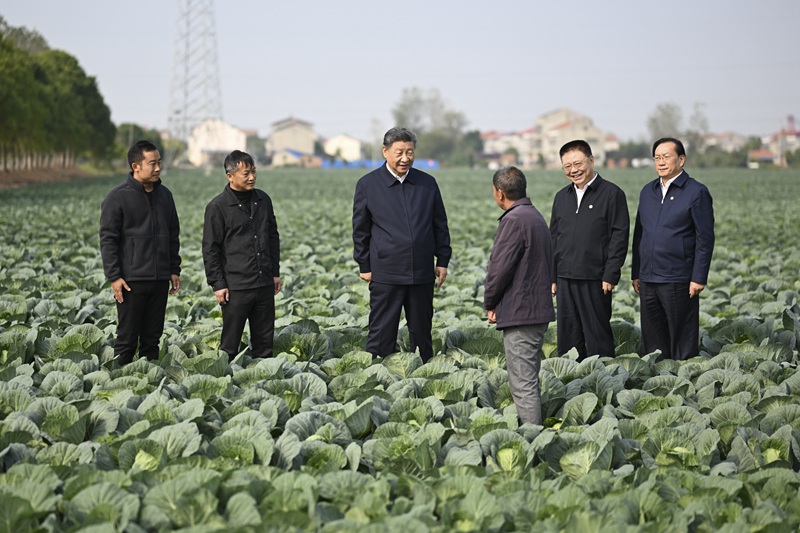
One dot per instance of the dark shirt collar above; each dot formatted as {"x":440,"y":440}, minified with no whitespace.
{"x":522,"y":201}
{"x":133,"y":182}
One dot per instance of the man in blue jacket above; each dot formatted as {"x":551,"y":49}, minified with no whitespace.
{"x":139,"y":244}
{"x":399,"y":230}
{"x":241,"y":255}
{"x":673,"y":240}
{"x":517,"y":289}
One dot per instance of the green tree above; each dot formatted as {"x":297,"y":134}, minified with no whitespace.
{"x":665,"y":121}
{"x":440,"y":130}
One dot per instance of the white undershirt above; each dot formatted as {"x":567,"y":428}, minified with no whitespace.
{"x":580,"y":192}
{"x":401,"y":179}
{"x":665,"y":186}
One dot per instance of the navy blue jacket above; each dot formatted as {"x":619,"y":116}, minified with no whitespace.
{"x":241,"y":245}
{"x":673,"y":239}
{"x":517,"y":282}
{"x":139,"y":233}
{"x":398,"y":228}
{"x":591,"y":242}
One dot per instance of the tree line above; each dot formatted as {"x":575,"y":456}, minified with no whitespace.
{"x":51,"y":112}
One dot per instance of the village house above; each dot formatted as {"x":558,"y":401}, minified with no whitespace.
{"x":290,"y":134}
{"x":213,"y":139}
{"x":343,"y":147}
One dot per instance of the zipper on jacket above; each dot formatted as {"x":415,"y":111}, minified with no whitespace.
{"x":153,"y":222}
{"x":410,"y":233}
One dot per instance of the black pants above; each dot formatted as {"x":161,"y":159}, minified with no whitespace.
{"x":385,"y":302}
{"x":141,"y":320}
{"x":584,"y":315}
{"x":670,"y":320}
{"x":256,"y":306}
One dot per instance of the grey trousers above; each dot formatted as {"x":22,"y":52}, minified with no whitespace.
{"x":523,"y":347}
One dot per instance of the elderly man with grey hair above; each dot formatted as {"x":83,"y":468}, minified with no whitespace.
{"x":517,"y":289}
{"x":401,"y":243}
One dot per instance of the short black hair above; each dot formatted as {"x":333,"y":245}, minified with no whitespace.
{"x":577,"y":144}
{"x":511,"y":181}
{"x":136,"y":153}
{"x":678,"y":145}
{"x":236,"y":157}
{"x":399,"y":134}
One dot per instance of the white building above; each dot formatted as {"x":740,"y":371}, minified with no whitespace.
{"x":343,"y":147}
{"x":211,"y":140}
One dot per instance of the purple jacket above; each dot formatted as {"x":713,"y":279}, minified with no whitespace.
{"x":517,"y":282}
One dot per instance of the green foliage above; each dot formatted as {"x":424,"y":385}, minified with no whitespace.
{"x":323,"y":437}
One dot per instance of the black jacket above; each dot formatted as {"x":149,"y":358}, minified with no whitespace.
{"x":590,"y":243}
{"x":398,"y":228}
{"x":517,"y":282}
{"x":139,"y":233}
{"x":241,"y":250}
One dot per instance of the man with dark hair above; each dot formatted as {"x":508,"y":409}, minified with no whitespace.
{"x":139,"y":244}
{"x":517,"y":289}
{"x":673,"y":240}
{"x":241,"y":254}
{"x":399,"y":227}
{"x":589,"y":226}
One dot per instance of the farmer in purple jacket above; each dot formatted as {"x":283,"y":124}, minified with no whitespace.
{"x":517,"y":293}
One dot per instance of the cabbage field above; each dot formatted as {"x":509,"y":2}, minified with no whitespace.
{"x":322,"y":438}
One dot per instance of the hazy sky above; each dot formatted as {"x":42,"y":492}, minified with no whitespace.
{"x":343,"y":64}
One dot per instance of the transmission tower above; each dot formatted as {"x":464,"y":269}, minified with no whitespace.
{"x":195,"y":93}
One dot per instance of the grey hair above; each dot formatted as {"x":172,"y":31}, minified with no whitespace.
{"x":399,"y":134}
{"x":511,"y":181}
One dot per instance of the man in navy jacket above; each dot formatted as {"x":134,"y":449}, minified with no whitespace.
{"x":517,"y":289}
{"x":399,"y":228}
{"x":139,"y":244}
{"x":673,"y":240}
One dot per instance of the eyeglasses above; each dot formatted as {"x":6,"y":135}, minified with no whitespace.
{"x":663,"y":158}
{"x":578,"y":165}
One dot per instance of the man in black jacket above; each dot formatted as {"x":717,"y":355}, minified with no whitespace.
{"x":589,"y":226}
{"x":241,"y":254}
{"x":516,"y":292}
{"x":139,"y":244}
{"x":399,"y":228}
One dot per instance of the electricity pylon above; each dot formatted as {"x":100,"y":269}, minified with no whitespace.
{"x":195,"y":93}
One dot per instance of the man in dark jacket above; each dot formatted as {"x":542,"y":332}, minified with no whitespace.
{"x":589,"y":226}
{"x":241,"y":254}
{"x":517,"y":289}
{"x":139,"y":244}
{"x":399,"y":227}
{"x":673,"y":240}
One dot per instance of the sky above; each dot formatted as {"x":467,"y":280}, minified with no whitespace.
{"x":343,"y":65}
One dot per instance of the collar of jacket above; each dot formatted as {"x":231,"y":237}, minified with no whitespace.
{"x":390,"y":180}
{"x":136,"y":184}
{"x":233,"y":200}
{"x":596,"y":184}
{"x":680,"y":181}
{"x":522,"y":201}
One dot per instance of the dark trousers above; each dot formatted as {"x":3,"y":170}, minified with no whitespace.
{"x":256,"y":306}
{"x":385,"y":302}
{"x":670,"y":320}
{"x":141,"y":320}
{"x":584,"y":315}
